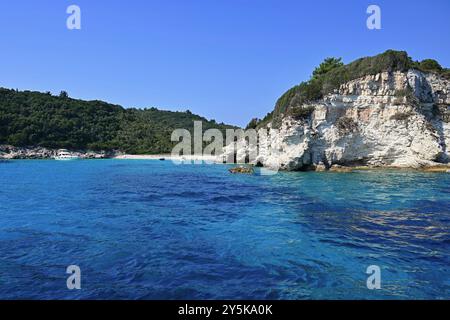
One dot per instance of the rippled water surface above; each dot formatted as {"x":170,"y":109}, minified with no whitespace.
{"x":155,"y":230}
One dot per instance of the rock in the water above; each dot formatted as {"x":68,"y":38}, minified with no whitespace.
{"x":242,"y":169}
{"x":320,"y":167}
{"x":439,"y":168}
{"x":338,"y":168}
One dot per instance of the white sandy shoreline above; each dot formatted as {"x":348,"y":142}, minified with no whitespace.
{"x":165,"y":157}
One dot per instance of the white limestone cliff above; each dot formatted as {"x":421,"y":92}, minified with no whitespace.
{"x":397,"y":119}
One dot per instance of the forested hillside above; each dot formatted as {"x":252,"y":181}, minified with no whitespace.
{"x":41,"y":119}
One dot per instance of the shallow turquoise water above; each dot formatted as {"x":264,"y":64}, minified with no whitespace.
{"x":155,"y":230}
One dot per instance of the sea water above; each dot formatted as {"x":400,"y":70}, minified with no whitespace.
{"x":155,"y":230}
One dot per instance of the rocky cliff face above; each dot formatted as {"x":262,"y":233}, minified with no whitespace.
{"x":397,"y":119}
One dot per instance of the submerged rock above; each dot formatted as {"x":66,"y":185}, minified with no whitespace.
{"x":320,"y":167}
{"x":438,"y":168}
{"x":338,"y":168}
{"x":242,"y":169}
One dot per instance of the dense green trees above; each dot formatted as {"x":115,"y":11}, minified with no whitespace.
{"x":40,"y":119}
{"x":252,"y":124}
{"x":431,"y":65}
{"x":326,"y":66}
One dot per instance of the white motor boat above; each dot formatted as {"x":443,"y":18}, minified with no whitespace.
{"x":63,"y":154}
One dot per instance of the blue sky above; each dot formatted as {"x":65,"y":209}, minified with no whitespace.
{"x":224,"y":59}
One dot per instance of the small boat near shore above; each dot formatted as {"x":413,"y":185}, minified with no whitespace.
{"x":65,"y":155}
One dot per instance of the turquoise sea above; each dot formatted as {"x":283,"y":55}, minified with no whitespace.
{"x":154,"y":230}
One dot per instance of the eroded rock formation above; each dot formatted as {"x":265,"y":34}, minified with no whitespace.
{"x":396,"y":118}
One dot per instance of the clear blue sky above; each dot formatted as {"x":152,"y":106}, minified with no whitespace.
{"x":225,"y":59}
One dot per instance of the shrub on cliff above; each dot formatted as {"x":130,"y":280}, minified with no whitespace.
{"x":299,"y":113}
{"x":401,"y":116}
{"x":346,"y":125}
{"x":431,"y":65}
{"x":428,"y":65}
{"x":326,"y":66}
{"x":306,"y":91}
{"x":253,"y":124}
{"x":446,"y":74}
{"x":407,"y":93}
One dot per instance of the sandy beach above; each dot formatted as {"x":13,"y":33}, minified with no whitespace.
{"x":167,"y":157}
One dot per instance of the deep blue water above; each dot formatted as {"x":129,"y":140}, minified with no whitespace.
{"x":155,"y":230}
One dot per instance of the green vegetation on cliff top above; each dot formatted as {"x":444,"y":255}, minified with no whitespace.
{"x":332,"y":73}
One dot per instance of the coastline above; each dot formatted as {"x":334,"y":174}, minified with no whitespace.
{"x":8,"y":152}
{"x":165,"y":157}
